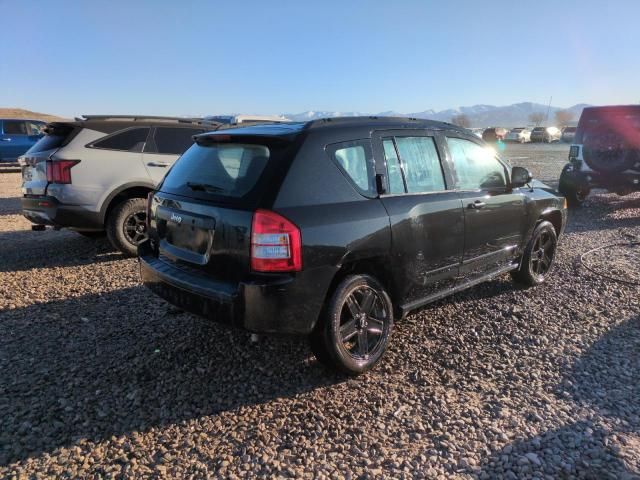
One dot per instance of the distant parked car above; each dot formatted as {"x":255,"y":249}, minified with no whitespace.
{"x":605,"y":153}
{"x":518,"y":134}
{"x":546,"y":134}
{"x":17,"y":135}
{"x":477,"y":132}
{"x":493,"y":134}
{"x":93,"y":174}
{"x":568,"y":134}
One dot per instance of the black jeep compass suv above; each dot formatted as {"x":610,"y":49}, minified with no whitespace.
{"x":335,"y":227}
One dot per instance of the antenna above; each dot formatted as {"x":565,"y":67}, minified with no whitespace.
{"x":546,"y":118}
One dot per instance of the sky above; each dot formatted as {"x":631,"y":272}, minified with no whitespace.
{"x":212,"y":57}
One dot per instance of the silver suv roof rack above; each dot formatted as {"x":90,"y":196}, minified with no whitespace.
{"x":146,"y":118}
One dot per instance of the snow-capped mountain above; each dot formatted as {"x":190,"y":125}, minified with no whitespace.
{"x":314,"y":115}
{"x":479,"y":115}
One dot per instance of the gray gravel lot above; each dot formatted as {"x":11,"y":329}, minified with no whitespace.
{"x":100,"y":379}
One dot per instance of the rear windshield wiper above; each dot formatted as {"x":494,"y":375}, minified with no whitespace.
{"x":205,"y":187}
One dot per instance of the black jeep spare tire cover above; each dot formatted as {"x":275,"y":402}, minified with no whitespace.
{"x":607,"y":151}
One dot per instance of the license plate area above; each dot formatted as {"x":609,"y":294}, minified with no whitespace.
{"x":184,"y":235}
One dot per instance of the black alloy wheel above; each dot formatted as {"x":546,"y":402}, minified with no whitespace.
{"x":355,"y":327}
{"x":135,"y":227}
{"x":362,"y":323}
{"x":126,"y":225}
{"x":538,"y":257}
{"x":544,"y":249}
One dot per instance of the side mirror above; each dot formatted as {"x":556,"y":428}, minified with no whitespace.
{"x":520,"y":176}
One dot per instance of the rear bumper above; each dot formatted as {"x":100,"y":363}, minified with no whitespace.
{"x":45,"y":210}
{"x":625,"y":181}
{"x":268,"y":305}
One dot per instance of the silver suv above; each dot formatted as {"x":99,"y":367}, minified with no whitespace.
{"x":93,"y":174}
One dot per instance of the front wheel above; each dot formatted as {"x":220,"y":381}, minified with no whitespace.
{"x":538,"y":257}
{"x":356,"y":325}
{"x":126,"y":225}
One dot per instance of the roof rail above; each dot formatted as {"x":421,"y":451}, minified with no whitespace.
{"x":143,"y":118}
{"x":371,"y":118}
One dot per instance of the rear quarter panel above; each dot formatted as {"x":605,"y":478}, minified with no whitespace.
{"x":337,"y":223}
{"x":99,"y":172}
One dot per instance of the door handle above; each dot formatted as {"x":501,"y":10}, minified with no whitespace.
{"x":477,"y":205}
{"x":158,"y":164}
{"x":5,"y":139}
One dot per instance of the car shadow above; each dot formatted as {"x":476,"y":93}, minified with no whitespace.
{"x":72,"y":371}
{"x":10,"y":206}
{"x":605,"y":212}
{"x":25,"y":250}
{"x":604,"y":443}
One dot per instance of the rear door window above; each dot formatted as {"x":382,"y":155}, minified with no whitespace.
{"x":414,"y":163}
{"x":129,"y":140}
{"x":394,"y":170}
{"x":355,"y":159}
{"x":15,"y":127}
{"x":171,"y":141}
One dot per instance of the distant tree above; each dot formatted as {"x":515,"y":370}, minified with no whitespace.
{"x":461,"y":120}
{"x":536,"y":118}
{"x":563,"y":117}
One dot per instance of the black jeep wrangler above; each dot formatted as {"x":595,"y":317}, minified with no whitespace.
{"x":333,"y":228}
{"x":605,"y":153}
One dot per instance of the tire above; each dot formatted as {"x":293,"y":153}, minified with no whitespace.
{"x":355,"y":326}
{"x":91,"y":233}
{"x":538,"y":257}
{"x":572,"y":189}
{"x":126,"y":227}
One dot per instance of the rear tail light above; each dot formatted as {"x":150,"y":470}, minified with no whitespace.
{"x":276,"y":244}
{"x":59,"y":171}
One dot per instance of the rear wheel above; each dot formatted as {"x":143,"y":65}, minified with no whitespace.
{"x":355,"y":327}
{"x":572,"y":189}
{"x":126,"y":225}
{"x":538,"y":256}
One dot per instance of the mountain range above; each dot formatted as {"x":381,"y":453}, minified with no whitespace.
{"x":479,"y":115}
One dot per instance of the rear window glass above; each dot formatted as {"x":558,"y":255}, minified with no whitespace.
{"x":48,"y":142}
{"x":56,"y":136}
{"x":221,"y":169}
{"x":173,"y":141}
{"x":131,"y":140}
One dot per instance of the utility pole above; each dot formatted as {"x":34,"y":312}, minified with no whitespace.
{"x":546,"y":120}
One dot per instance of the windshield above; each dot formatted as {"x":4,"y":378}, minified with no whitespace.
{"x":223,"y":169}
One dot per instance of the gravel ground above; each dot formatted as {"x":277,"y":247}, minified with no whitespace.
{"x":100,"y":379}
